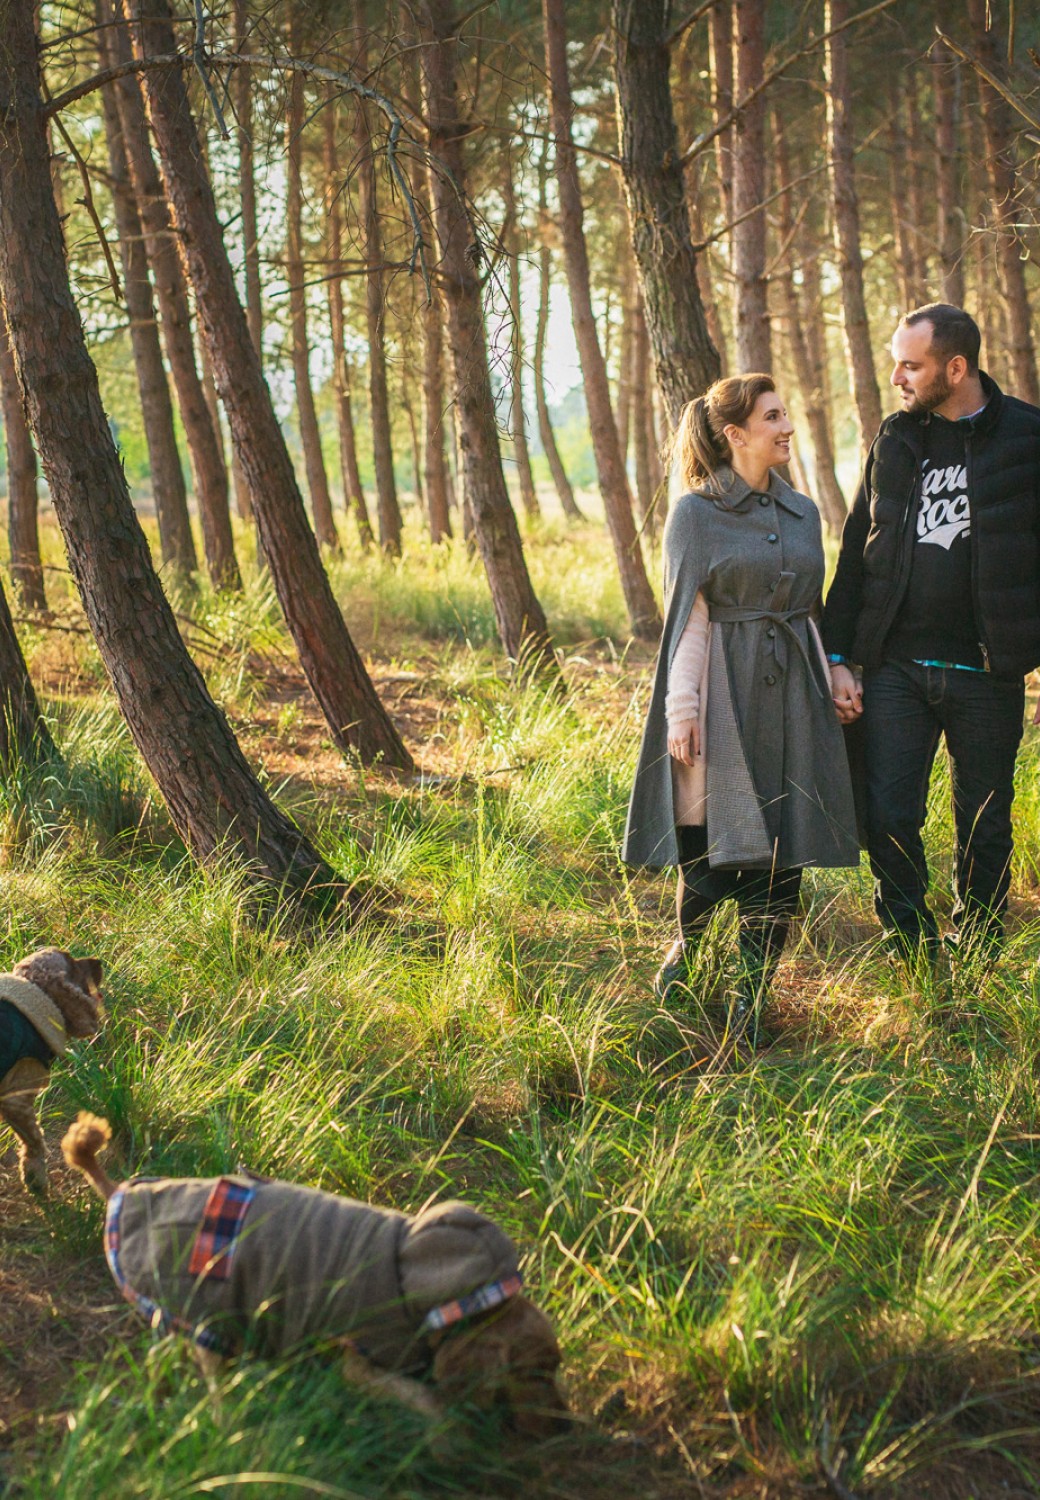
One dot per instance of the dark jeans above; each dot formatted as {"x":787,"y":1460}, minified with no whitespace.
{"x":905,"y":709}
{"x":766,"y":900}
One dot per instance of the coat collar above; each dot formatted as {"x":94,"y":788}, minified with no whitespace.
{"x":730,"y":492}
{"x":912,"y":428}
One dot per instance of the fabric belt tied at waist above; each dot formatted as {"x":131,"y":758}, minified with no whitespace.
{"x":744,"y":614}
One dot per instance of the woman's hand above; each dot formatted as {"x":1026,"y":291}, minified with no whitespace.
{"x":847,"y":693}
{"x":684,"y":741}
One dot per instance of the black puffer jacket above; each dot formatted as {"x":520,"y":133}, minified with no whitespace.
{"x":1003,"y":461}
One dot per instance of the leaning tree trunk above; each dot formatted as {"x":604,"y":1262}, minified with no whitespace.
{"x":334,"y":669}
{"x":613,"y":481}
{"x":24,"y":735}
{"x":685,"y":359}
{"x":751,"y":312}
{"x":164,"y":461}
{"x":802,"y":331}
{"x":862,"y":374}
{"x":310,"y":433}
{"x":171,"y":290}
{"x":23,"y":533}
{"x":1008,"y":206}
{"x":354,"y":494}
{"x":564,"y":490}
{"x":214,"y":799}
{"x":946,"y":81}
{"x":521,"y":621}
{"x":511,"y":237}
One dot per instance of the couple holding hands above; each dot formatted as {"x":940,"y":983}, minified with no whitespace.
{"x":929,"y":627}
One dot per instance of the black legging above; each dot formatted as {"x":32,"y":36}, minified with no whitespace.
{"x":766,"y":901}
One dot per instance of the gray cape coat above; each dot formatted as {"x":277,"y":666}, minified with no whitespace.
{"x":778,"y":789}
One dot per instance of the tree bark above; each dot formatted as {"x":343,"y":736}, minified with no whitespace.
{"x":946,"y":83}
{"x":334,"y":669}
{"x":23,"y":532}
{"x":511,"y":237}
{"x":437,"y":476}
{"x":1008,"y":206}
{"x":751,"y":312}
{"x":898,"y":165}
{"x":24,"y":735}
{"x":310,"y":433}
{"x":862,"y":374}
{"x":642,"y":422}
{"x":164,"y":461}
{"x":564,"y":490}
{"x":241,"y":89}
{"x":721,"y":55}
{"x":213,"y":797}
{"x":804,"y":328}
{"x":685,"y":360}
{"x":354,"y":494}
{"x":626,"y":345}
{"x":613,"y":481}
{"x":521,"y":621}
{"x":171,"y":290}
{"x":388,"y":510}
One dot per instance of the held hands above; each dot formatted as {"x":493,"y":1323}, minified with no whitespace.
{"x":847,"y":693}
{"x":684,"y":741}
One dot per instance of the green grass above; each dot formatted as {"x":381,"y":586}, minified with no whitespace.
{"x":825,"y":1253}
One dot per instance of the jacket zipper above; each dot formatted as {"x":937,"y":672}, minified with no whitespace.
{"x":973,"y":536}
{"x":909,"y":511}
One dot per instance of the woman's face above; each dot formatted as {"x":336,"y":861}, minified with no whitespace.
{"x":765,"y":438}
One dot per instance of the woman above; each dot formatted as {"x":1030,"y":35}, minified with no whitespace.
{"x":742,"y":779}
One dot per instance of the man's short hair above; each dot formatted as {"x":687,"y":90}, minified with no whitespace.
{"x":953,"y":331}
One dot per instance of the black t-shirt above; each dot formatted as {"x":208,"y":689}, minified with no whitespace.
{"x":936,"y":621}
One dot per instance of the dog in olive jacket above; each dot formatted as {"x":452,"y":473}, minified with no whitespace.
{"x":426,"y":1308}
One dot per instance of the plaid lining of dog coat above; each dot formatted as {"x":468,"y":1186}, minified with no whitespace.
{"x":211,"y":1256}
{"x":480,"y":1301}
{"x":222,"y":1221}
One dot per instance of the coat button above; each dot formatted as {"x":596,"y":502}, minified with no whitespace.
{"x":763,"y":499}
{"x":771,"y":679}
{"x":772,"y":537}
{"x":771,"y":632}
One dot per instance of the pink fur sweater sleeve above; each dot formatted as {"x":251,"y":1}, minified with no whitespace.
{"x":683,"y":702}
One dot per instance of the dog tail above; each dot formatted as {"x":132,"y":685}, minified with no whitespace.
{"x":81,"y":1145}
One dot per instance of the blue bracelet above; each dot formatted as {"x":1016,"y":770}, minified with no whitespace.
{"x":837,"y":661}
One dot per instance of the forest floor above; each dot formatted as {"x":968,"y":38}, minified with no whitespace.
{"x":812,"y":1270}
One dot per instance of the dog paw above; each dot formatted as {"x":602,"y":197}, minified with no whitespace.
{"x":34,"y":1177}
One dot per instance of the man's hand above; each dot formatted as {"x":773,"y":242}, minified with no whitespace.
{"x":684,"y":741}
{"x":847,"y":693}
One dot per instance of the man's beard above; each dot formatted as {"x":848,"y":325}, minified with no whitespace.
{"x":932,"y":396}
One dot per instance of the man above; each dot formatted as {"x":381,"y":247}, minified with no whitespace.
{"x":936,"y":600}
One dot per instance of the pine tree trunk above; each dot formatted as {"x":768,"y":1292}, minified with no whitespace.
{"x":626,"y":348}
{"x":214,"y":799}
{"x":804,"y":328}
{"x":353,"y":493}
{"x":613,"y":481}
{"x":334,"y":669}
{"x":417,"y":464}
{"x":751,"y":312}
{"x":521,"y":621}
{"x":721,"y":54}
{"x":437,"y":475}
{"x":915,"y":191}
{"x":169,"y":493}
{"x":1008,"y":206}
{"x":641,"y":421}
{"x":685,"y":360}
{"x":862,"y":374}
{"x":905,"y":248}
{"x":242,"y":93}
{"x":310,"y":433}
{"x":171,"y":291}
{"x":564,"y":490}
{"x":518,"y":423}
{"x":24,"y":735}
{"x":388,"y":510}
{"x":946,"y":83}
{"x":23,"y":533}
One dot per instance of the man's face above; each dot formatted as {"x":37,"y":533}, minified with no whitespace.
{"x":918,"y":375}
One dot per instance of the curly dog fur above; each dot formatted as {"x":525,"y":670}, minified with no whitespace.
{"x":57,"y":997}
